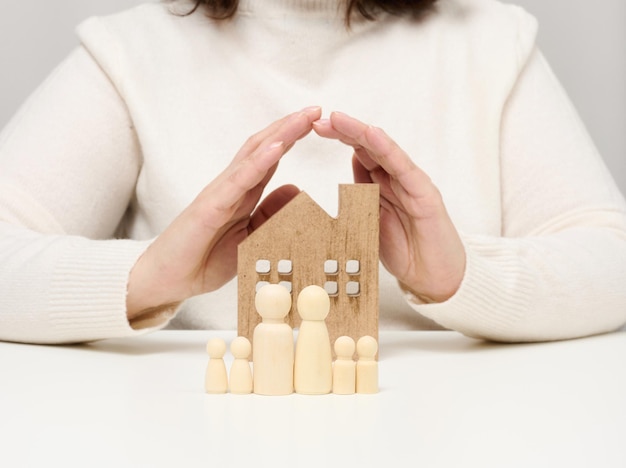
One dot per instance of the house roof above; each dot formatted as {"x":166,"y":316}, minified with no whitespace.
{"x":301,"y":212}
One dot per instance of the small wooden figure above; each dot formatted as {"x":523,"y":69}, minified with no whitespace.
{"x":344,"y":369}
{"x":366,"y":366}
{"x":272,"y":343}
{"x":240,"y":378}
{"x":313,"y":371}
{"x":216,"y":379}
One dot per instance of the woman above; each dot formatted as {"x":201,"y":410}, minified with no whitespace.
{"x":498,"y":217}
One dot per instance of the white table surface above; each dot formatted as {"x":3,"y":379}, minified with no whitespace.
{"x":445,"y":401}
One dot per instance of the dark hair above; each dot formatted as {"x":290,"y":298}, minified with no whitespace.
{"x":224,"y":9}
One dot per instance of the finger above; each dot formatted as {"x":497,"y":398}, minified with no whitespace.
{"x":255,"y":168}
{"x":271,"y":204}
{"x":295,"y":127}
{"x":365,"y":159}
{"x":249,"y":170}
{"x":253,"y":171}
{"x":361,"y":174}
{"x":288,"y":129}
{"x":253,"y":142}
{"x":388,"y":197}
{"x":250,"y":173}
{"x":382,"y":151}
{"x":324,"y":128}
{"x":219,"y":201}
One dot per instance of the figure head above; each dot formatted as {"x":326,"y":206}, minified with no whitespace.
{"x":313,"y":303}
{"x":273,"y":302}
{"x":240,"y":348}
{"x":366,"y":347}
{"x":216,"y":348}
{"x":344,"y":347}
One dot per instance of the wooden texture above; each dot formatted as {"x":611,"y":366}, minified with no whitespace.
{"x":303,"y":233}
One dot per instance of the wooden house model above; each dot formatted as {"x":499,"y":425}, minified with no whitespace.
{"x":302,"y":245}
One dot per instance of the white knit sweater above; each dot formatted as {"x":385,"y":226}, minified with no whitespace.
{"x":151,"y":106}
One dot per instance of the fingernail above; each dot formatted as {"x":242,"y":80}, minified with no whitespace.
{"x":322,"y":122}
{"x":275,"y":145}
{"x":311,"y":109}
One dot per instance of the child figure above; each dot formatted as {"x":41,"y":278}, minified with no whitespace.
{"x":216,"y":379}
{"x":344,"y":369}
{"x":240,"y":378}
{"x":366,"y":366}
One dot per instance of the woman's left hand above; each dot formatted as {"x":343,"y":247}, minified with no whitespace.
{"x":419,"y":244}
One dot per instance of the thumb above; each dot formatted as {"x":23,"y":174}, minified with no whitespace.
{"x":272,"y":204}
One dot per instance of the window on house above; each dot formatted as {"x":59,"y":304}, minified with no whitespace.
{"x":332,"y":288}
{"x":263,"y":267}
{"x":353,"y":267}
{"x":331,"y":267}
{"x":285,"y":267}
{"x":353,"y":288}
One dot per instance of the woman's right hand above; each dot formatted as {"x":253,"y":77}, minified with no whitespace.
{"x":419,"y":243}
{"x":197,"y":252}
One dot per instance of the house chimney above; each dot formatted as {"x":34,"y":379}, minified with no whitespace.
{"x":358,"y":198}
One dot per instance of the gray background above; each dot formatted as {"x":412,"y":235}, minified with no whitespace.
{"x":584,"y":41}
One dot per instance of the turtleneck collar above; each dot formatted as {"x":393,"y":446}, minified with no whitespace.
{"x":326,"y":7}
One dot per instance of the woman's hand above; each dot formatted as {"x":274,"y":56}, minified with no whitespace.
{"x":197,"y":253}
{"x":419,"y":245}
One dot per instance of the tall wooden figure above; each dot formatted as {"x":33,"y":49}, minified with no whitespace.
{"x":313,"y":372}
{"x":272,"y":343}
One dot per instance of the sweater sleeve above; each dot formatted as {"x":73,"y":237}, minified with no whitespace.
{"x":69,"y":161}
{"x":559,"y":267}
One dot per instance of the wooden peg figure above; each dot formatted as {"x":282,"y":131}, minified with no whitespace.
{"x":366,"y":366}
{"x":272,"y":342}
{"x":216,"y":379}
{"x":313,"y":370}
{"x":344,"y":369}
{"x":240,"y":378}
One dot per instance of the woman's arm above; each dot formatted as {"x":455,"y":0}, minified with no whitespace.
{"x":68,"y":164}
{"x":558,"y":269}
